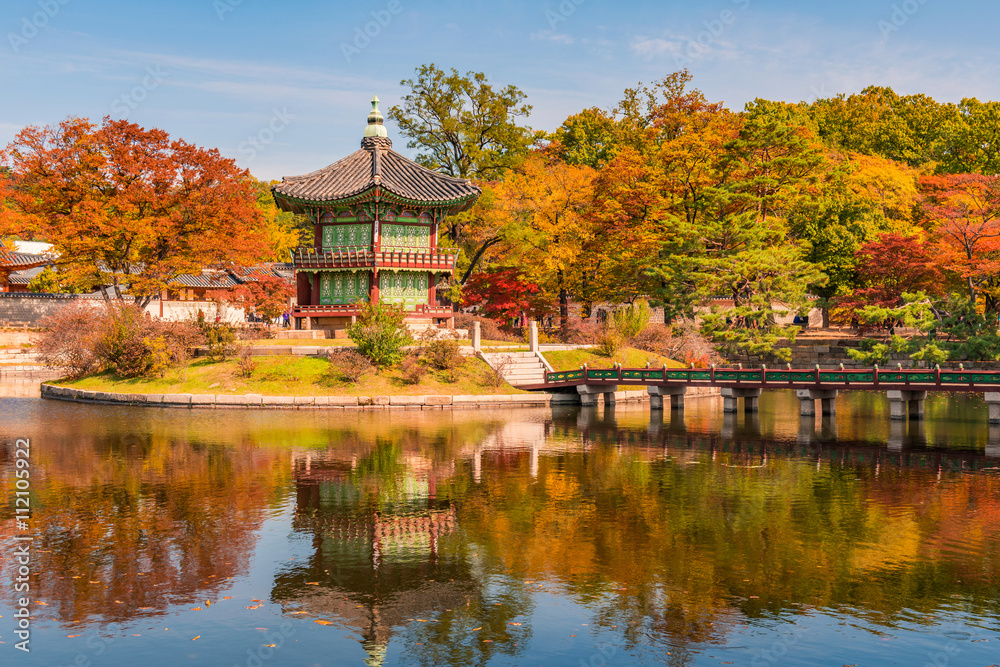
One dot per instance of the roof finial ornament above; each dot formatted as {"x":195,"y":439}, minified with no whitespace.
{"x":375,"y":128}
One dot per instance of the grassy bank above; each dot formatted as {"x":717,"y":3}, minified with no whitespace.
{"x":292,"y":376}
{"x":567,"y":360}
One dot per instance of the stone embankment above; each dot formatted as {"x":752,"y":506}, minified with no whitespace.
{"x":257,"y":401}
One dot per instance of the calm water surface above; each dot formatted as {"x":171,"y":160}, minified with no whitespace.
{"x":536,"y":537}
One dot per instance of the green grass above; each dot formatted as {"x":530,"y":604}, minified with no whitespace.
{"x":292,"y":376}
{"x":568,"y":360}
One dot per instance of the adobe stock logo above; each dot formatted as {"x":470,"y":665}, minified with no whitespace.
{"x":31,"y":26}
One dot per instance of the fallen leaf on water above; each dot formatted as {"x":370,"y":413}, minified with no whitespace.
{"x":195,"y":608}
{"x":198,"y":637}
{"x":312,"y":583}
{"x":421,"y":620}
{"x":208,"y":603}
{"x":270,"y":645}
{"x":572,"y":635}
{"x":487,"y":641}
{"x":72,"y":636}
{"x":477,"y":629}
{"x":254,"y":600}
{"x":513,"y":624}
{"x":322,"y":622}
{"x":44,"y":604}
{"x":298,"y":612}
{"x":754,"y":597}
{"x":228,"y":597}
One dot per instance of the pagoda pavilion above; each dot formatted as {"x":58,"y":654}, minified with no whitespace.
{"x":376,"y":216}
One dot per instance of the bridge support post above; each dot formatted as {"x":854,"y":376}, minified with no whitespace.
{"x":477,"y":338}
{"x":590,"y":392}
{"x":808,"y":397}
{"x":903,"y":403}
{"x":307,"y":323}
{"x":992,"y":399}
{"x":676,"y":395}
{"x":533,"y":336}
{"x":730,"y":395}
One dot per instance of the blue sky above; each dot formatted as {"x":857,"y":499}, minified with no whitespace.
{"x":283,"y":87}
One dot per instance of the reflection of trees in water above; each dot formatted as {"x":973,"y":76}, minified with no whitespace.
{"x":682,"y":539}
{"x":127,"y":526}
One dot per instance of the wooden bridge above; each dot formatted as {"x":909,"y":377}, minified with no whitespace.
{"x":905,"y":389}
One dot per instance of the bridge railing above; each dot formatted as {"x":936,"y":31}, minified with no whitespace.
{"x":944,"y":379}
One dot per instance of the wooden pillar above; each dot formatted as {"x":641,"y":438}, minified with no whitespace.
{"x":373,"y":293}
{"x":431,"y":290}
{"x":303,"y":289}
{"x":315,"y":289}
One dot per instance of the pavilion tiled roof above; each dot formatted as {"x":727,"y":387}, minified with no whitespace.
{"x":209,"y":279}
{"x":375,"y":165}
{"x":21,"y":259}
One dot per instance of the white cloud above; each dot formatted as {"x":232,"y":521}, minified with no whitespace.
{"x":552,"y":36}
{"x":648,"y":48}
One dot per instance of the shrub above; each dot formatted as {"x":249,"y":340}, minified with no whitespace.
{"x":630,"y":320}
{"x":411,"y":370}
{"x":682,"y":342}
{"x":348,"y":366}
{"x":579,"y":332}
{"x":498,"y":369}
{"x":245,"y":363}
{"x":443,"y":355}
{"x":256,"y":331}
{"x":220,"y":338}
{"x":380,"y":333}
{"x":123,"y":344}
{"x":70,"y":339}
{"x":609,"y":343}
{"x":489,"y":329}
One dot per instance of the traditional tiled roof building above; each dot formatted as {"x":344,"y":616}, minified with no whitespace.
{"x":376,"y":216}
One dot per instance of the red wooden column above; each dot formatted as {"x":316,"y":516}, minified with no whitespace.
{"x":315,"y":289}
{"x":303,"y":289}
{"x":431,"y":290}
{"x":373,"y":293}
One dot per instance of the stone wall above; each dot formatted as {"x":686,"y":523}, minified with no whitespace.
{"x":30,"y":309}
{"x":23,"y":309}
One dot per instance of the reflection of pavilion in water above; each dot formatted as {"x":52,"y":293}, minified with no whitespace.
{"x":381,"y":554}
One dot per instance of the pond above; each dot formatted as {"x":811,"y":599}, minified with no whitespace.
{"x":512,"y":537}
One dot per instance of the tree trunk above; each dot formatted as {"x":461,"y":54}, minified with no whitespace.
{"x":479,"y":254}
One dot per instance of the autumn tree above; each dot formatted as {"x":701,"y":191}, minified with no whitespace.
{"x":132,"y":208}
{"x":859,"y":199}
{"x":888,"y":268}
{"x":265,"y":294}
{"x":964,"y":213}
{"x":879,"y":121}
{"x":461,"y":125}
{"x":970,"y":140}
{"x":542,"y":210}
{"x":505,"y":294}
{"x":283,"y":231}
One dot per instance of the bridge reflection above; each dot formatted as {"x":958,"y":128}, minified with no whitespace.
{"x":904,"y":443}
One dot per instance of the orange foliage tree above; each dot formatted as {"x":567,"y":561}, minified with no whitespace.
{"x":131,"y":208}
{"x":964,"y":211}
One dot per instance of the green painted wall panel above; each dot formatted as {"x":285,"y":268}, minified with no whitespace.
{"x":343,"y":287}
{"x":406,"y":288}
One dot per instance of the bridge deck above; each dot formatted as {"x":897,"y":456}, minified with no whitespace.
{"x":935,"y":379}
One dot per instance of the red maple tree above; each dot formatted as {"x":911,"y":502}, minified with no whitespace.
{"x":505,"y":294}
{"x":131,"y":208}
